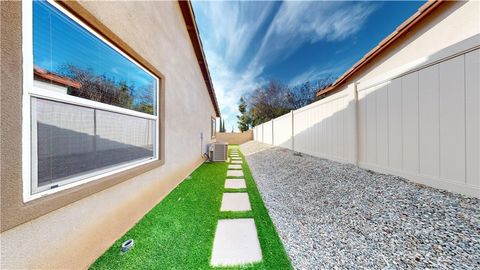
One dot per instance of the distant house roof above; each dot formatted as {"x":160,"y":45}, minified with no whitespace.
{"x":422,"y":12}
{"x":45,"y":75}
{"x":189,"y":18}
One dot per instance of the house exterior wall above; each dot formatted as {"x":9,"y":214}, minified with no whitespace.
{"x":412,"y":111}
{"x":71,"y":228}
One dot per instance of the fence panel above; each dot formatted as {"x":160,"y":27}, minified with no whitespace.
{"x":320,"y":129}
{"x":267,"y":132}
{"x":424,"y":125}
{"x":260,"y":133}
{"x":282,"y":131}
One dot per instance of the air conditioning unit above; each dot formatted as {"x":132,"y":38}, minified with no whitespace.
{"x":218,"y":151}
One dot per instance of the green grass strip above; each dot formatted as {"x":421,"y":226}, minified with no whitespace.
{"x":178,"y":232}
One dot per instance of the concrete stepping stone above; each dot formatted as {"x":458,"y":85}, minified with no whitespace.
{"x":236,"y":243}
{"x":236,"y":158}
{"x":235,"y":183}
{"x":234,"y":173}
{"x":236,"y":162}
{"x":235,"y":201}
{"x":234,"y":166}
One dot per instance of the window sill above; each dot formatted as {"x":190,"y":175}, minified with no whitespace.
{"x":90,"y":187}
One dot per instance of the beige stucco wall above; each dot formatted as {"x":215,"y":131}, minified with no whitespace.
{"x":235,"y":137}
{"x":75,"y":235}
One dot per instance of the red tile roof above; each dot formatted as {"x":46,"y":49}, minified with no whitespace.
{"x":54,"y":78}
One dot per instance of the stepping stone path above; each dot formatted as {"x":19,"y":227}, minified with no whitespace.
{"x":236,"y":201}
{"x":235,"y":173}
{"x":235,"y":183}
{"x":236,"y":240}
{"x":236,"y":243}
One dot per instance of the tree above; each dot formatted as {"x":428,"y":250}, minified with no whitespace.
{"x":244,"y":119}
{"x":275,"y":99}
{"x":268,"y":102}
{"x":106,"y":90}
{"x":222,"y":125}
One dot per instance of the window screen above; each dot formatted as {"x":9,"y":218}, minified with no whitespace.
{"x":72,"y":141}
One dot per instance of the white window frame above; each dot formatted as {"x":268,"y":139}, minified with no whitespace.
{"x":213,"y":127}
{"x":29,"y":91}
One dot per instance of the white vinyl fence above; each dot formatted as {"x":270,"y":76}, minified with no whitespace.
{"x":422,"y":124}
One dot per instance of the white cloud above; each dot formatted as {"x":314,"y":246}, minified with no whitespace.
{"x":229,"y":31}
{"x":297,"y":23}
{"x":308,"y":75}
{"x":230,"y":86}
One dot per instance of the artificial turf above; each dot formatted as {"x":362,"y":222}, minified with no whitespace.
{"x":178,"y":232}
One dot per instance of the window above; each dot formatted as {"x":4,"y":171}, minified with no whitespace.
{"x":213,"y":127}
{"x":91,"y":110}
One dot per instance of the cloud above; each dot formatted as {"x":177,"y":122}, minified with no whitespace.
{"x":309,"y":75}
{"x":319,"y":72}
{"x":242,"y":38}
{"x":231,"y":26}
{"x":228,"y":30}
{"x":230,"y":86}
{"x":297,"y":23}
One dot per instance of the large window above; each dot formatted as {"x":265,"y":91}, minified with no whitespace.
{"x":91,"y":109}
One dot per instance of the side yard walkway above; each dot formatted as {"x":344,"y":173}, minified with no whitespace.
{"x":214,"y":219}
{"x":333,"y":215}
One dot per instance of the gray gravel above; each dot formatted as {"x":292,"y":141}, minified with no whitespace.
{"x":334,"y":215}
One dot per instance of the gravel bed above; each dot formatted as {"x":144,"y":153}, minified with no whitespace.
{"x":334,"y":215}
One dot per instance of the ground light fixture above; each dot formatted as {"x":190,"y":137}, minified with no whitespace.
{"x":126,"y":246}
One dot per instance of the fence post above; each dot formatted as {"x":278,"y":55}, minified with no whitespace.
{"x":293,"y":130}
{"x":354,"y":116}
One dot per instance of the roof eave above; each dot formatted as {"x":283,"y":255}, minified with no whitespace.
{"x":191,"y":24}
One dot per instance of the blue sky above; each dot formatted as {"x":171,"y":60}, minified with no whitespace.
{"x":249,"y":43}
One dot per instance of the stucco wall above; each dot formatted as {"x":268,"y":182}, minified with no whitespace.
{"x":75,"y":235}
{"x":234,"y":137}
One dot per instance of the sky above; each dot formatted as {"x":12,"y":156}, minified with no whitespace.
{"x":248,"y":43}
{"x":59,"y":41}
